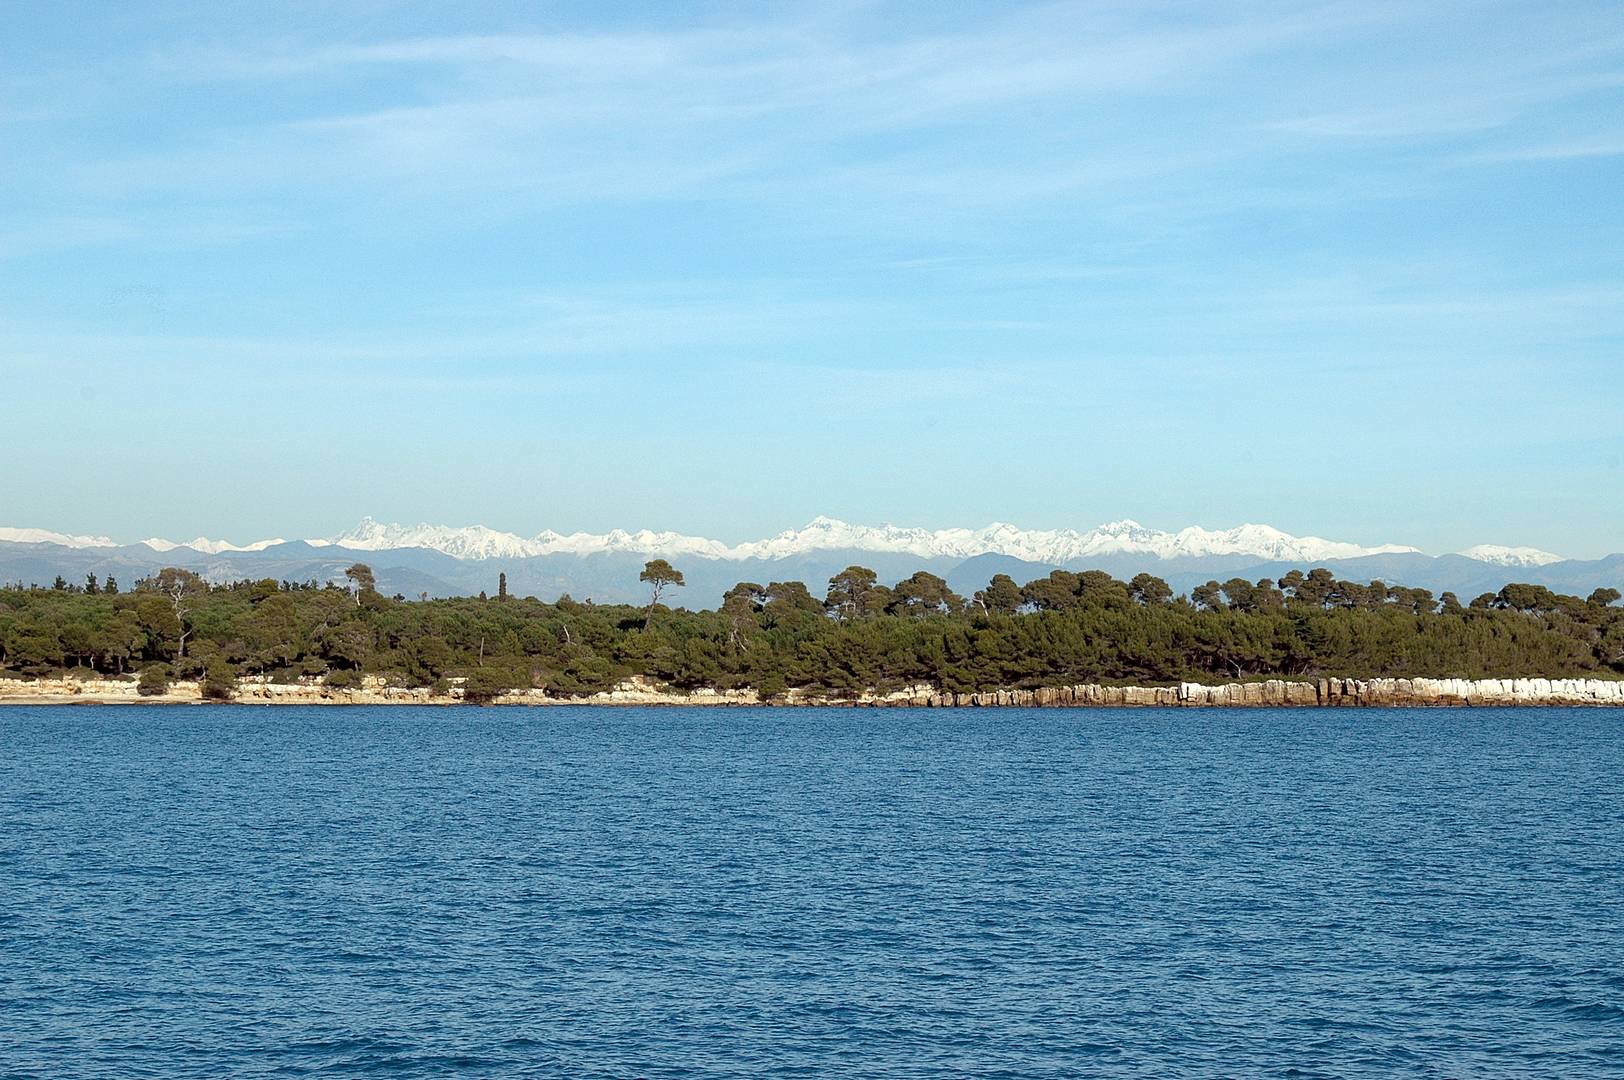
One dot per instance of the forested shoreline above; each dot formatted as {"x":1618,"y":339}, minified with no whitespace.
{"x":860,"y":637}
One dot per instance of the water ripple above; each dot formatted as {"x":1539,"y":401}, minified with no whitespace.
{"x":664,"y":893}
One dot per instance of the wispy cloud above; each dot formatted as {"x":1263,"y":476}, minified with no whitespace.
{"x":59,"y":233}
{"x":66,"y":233}
{"x":1602,"y":146}
{"x":1461,"y":103}
{"x":1094,"y":113}
{"x":541,"y":331}
{"x":692,"y":112}
{"x":1013,"y":106}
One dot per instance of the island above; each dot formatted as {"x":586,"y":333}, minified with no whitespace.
{"x":1071,"y":638}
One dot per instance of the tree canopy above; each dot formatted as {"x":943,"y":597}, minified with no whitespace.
{"x":1065,"y":628}
{"x":659,"y":575}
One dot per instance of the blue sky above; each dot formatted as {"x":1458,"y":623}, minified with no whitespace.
{"x":1351,"y":269}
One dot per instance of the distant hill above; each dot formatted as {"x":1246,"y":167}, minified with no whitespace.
{"x":611,"y":576}
{"x":974,"y":573}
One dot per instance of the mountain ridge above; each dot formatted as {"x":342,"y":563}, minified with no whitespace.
{"x":1053,"y":546}
{"x":612,"y":577}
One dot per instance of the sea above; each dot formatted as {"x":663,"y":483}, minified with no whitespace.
{"x":719,"y":892}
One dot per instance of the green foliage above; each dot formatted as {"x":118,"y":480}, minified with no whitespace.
{"x":1065,"y":628}
{"x":484,"y":684}
{"x":342,"y":679}
{"x":854,"y":593}
{"x":219,"y":680}
{"x":659,"y":575}
{"x":1147,"y":589}
{"x":1001,"y":596}
{"x":924,"y":594}
{"x":154,"y":680}
{"x":361,"y":576}
{"x":182,"y":591}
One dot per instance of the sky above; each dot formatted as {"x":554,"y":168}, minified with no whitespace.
{"x":1351,"y":269}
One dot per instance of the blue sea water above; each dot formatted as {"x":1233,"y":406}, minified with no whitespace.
{"x":191,"y":892}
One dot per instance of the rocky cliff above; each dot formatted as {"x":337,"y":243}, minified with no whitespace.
{"x":1274,"y":692}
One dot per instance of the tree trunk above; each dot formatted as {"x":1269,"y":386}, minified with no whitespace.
{"x":648,"y":616}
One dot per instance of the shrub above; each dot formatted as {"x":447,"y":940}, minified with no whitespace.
{"x":154,"y":680}
{"x":191,"y":666}
{"x":219,"y":682}
{"x":485,"y":684}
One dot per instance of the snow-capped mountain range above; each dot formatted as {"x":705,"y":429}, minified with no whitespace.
{"x":209,"y":547}
{"x":1510,"y":556}
{"x":45,"y":536}
{"x":477,"y":542}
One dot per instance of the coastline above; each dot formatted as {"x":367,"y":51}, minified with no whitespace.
{"x":1287,"y":693}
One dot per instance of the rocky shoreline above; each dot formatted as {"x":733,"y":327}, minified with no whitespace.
{"x":638,"y":691}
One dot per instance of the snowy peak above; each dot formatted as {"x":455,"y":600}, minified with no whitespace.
{"x":207,"y":546}
{"x":1498,"y":555}
{"x":472,"y":542}
{"x":1059,"y":545}
{"x":822,"y":534}
{"x":830,"y":534}
{"x":1272,"y":544}
{"x":480,"y":542}
{"x":215,"y":547}
{"x":44,"y":536}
